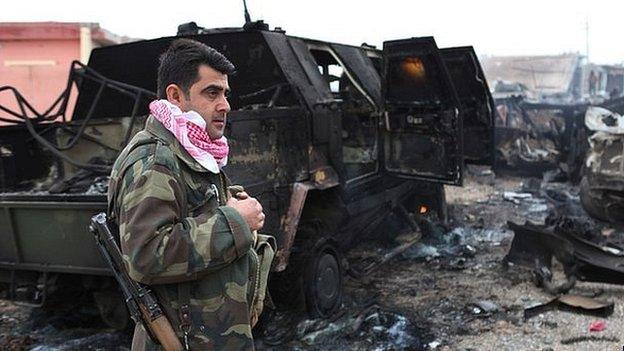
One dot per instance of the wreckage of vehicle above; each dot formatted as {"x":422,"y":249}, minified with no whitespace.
{"x":602,"y":186}
{"x":533,"y":139}
{"x":330,"y":138}
{"x":540,"y":139}
{"x":568,"y":241}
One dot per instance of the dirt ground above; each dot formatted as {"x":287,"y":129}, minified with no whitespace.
{"x":440,"y":297}
{"x":449,"y":292}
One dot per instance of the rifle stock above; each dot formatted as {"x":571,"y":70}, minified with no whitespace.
{"x":141,"y":303}
{"x":162,"y":330}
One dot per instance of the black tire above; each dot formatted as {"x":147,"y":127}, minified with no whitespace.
{"x":323,"y":280}
{"x":112,"y":309}
{"x":591,"y":203}
{"x":295,"y":288}
{"x":614,"y":209}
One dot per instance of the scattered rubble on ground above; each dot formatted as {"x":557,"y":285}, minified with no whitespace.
{"x":482,"y":305}
{"x":67,"y":325}
{"x":450,"y":291}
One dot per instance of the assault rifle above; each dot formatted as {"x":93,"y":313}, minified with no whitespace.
{"x":142,"y":304}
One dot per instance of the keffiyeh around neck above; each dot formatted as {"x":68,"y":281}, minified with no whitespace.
{"x":190,"y":130}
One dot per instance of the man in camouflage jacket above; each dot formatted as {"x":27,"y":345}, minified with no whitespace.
{"x":182,"y":230}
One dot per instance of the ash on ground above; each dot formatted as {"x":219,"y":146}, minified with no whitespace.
{"x":72,"y":324}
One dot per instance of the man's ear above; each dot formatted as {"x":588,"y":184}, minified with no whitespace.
{"x":175,"y":95}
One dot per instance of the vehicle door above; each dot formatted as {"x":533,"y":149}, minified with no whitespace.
{"x":422,"y":138}
{"x":477,"y":105}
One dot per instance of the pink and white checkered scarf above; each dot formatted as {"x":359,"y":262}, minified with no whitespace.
{"x":190,"y":130}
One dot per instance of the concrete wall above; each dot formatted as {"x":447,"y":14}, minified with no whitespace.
{"x":36,"y":58}
{"x":37,"y":68}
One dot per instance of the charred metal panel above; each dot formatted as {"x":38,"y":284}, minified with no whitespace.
{"x":424,"y":130}
{"x":268,"y":147}
{"x":290,"y":223}
{"x":386,"y":198}
{"x":532,"y":243}
{"x":297,"y":63}
{"x":22,"y":159}
{"x":361,"y":66}
{"x":476,"y":102}
{"x":255,"y":83}
{"x":322,"y":173}
{"x":323,"y":119}
{"x":302,"y":69}
{"x":310,"y":67}
{"x":536,"y":246}
{"x":268,"y":152}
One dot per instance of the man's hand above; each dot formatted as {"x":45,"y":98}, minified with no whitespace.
{"x":249,"y":208}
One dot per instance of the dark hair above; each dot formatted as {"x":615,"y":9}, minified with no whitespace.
{"x":180,"y":64}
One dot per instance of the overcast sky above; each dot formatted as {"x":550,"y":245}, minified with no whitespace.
{"x":528,"y":27}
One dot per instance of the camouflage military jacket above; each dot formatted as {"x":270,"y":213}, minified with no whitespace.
{"x":178,"y":237}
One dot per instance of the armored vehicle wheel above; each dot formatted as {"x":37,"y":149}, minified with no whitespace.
{"x":323,"y":278}
{"x":591,"y":202}
{"x":112,"y":309}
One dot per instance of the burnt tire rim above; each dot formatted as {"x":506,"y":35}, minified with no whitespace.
{"x":324,"y":283}
{"x":328,"y":281}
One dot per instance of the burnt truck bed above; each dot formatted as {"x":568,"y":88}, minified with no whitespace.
{"x":57,"y":223}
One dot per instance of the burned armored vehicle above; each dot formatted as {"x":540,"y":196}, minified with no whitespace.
{"x":332,"y":139}
{"x":602,"y":186}
{"x":534,"y":138}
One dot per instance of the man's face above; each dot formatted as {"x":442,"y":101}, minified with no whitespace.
{"x":208,"y":97}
